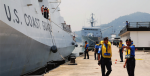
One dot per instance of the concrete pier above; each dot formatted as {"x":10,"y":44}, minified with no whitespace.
{"x":89,"y":67}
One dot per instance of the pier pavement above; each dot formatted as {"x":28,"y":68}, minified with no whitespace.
{"x":89,"y":67}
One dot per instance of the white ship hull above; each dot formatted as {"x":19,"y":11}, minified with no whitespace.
{"x":25,"y":37}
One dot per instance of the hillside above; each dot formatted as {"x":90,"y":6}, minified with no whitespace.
{"x":119,"y":23}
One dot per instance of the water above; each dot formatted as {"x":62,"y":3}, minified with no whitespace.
{"x":78,"y":49}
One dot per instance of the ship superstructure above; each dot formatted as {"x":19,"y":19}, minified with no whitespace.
{"x":91,"y":34}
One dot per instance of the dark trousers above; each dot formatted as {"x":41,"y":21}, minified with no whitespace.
{"x":106,"y":62}
{"x":131,"y":66}
{"x":121,"y":54}
{"x":45,"y":14}
{"x":86,"y":53}
{"x":127,"y":26}
{"x":95,"y":54}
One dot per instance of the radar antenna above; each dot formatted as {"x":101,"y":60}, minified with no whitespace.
{"x":92,"y":21}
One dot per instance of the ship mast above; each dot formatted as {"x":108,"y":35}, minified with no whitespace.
{"x":92,"y":20}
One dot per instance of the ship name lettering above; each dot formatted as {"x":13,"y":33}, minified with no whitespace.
{"x":31,"y":21}
{"x":46,"y":26}
{"x":8,"y":17}
{"x":15,"y":12}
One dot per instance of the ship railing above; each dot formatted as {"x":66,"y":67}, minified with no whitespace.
{"x":66,"y":27}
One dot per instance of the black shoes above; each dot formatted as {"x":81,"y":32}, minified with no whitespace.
{"x":85,"y":58}
{"x":121,"y":61}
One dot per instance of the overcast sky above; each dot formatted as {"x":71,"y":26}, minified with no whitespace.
{"x":77,"y":12}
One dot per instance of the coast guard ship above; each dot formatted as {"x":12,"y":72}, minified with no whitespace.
{"x":27,"y":38}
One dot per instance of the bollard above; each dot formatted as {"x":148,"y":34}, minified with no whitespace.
{"x":72,"y":61}
{"x":71,"y":55}
{"x":80,"y":53}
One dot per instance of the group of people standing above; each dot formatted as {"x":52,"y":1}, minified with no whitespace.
{"x":104,"y":51}
{"x":45,"y":12}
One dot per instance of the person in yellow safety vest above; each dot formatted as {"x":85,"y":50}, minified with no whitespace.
{"x":130,"y":57}
{"x":101,"y":42}
{"x":121,"y":50}
{"x":106,"y":53}
{"x":132,"y":43}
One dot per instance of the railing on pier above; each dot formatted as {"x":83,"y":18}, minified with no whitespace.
{"x":123,"y":30}
{"x":139,"y":25}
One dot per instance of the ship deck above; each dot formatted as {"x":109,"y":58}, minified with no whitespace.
{"x":89,"y":67}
